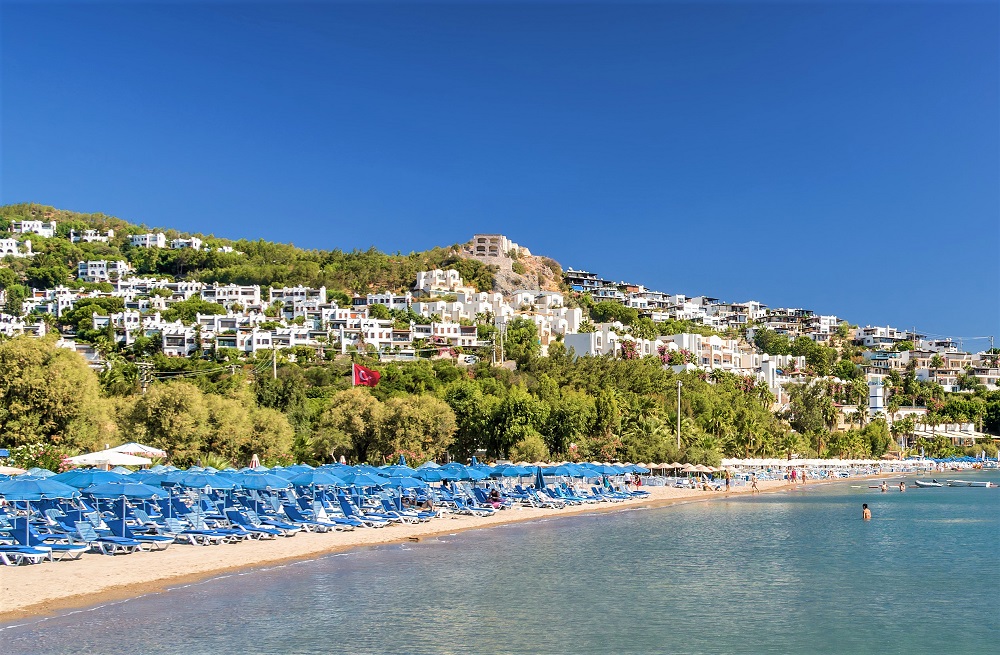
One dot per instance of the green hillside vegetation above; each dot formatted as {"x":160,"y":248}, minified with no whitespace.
{"x":555,"y":407}
{"x":256,"y":262}
{"x":224,"y":407}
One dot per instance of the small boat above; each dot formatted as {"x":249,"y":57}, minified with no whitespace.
{"x":959,"y":483}
{"x":932,"y":483}
{"x":983,"y":484}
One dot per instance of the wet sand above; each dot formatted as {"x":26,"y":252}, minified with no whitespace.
{"x":41,"y":589}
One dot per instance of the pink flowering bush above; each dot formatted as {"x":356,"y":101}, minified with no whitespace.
{"x":39,"y":455}
{"x":629,"y":350}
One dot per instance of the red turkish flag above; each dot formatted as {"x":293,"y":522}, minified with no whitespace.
{"x":365,"y":376}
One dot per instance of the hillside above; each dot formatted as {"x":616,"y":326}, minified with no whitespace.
{"x":252,"y":262}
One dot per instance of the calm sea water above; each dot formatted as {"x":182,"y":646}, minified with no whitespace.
{"x":796,"y":572}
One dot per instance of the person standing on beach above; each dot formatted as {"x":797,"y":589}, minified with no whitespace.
{"x":866,"y":513}
{"x":753,"y":484}
{"x":729,"y":479}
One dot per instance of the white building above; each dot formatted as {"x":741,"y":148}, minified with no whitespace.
{"x":40,"y":228}
{"x":291,"y":295}
{"x":390,"y":300}
{"x":149,"y":240}
{"x":102,"y":270}
{"x":194,"y":243}
{"x":230,"y":294}
{"x":12,"y":248}
{"x":884,"y":338}
{"x":436,"y":282}
{"x":495,"y":245}
{"x":12,"y":326}
{"x":90,"y":236}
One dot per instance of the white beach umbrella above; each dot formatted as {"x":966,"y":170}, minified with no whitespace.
{"x":109,"y":457}
{"x":139,"y":450}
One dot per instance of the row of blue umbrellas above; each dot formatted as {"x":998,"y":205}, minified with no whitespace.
{"x":302,"y":475}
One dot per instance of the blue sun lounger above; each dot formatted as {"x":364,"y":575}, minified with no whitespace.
{"x":238,"y":518}
{"x":120,"y":528}
{"x":63,"y":545}
{"x":106,"y":545}
{"x":17,"y":555}
{"x":351,"y":513}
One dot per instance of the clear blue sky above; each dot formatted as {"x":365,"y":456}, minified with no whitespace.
{"x":841,"y":157}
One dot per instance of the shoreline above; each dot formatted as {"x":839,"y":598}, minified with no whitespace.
{"x":42,"y":590}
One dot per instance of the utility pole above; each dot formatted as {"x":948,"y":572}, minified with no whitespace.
{"x":679,"y":414}
{"x":274,"y":360}
{"x":144,"y":375}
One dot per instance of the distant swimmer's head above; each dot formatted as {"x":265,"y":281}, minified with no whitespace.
{"x":864,"y":505}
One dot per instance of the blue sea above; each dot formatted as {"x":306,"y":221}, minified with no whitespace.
{"x":790,"y":572}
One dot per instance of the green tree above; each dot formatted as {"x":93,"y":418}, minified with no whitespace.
{"x":531,"y":448}
{"x":172,"y":416}
{"x":420,"y":426}
{"x":607,"y":311}
{"x":521,"y":340}
{"x":379,"y":311}
{"x":473,"y":415}
{"x":811,"y":407}
{"x":352,"y":423}
{"x":187,"y":310}
{"x":770,"y":342}
{"x":517,"y":416}
{"x":49,"y":394}
{"x":571,"y":418}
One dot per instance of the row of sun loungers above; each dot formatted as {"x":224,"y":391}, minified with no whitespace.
{"x":65,"y":530}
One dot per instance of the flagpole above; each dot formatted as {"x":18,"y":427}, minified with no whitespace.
{"x":354,"y":375}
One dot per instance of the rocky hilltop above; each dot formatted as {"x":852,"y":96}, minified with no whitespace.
{"x":514,"y":267}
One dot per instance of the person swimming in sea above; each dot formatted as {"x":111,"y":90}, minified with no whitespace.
{"x":866,"y":513}
{"x":884,"y":487}
{"x":902,"y":486}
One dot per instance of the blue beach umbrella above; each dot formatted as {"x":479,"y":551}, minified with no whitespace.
{"x":362,"y":479}
{"x":39,"y":472}
{"x":317,"y":478}
{"x":81,"y":478}
{"x":429,"y":465}
{"x":152,"y":479}
{"x":539,"y":478}
{"x":399,"y":469}
{"x":262,"y":481}
{"x":428,"y":475}
{"x":402,"y":459}
{"x":562,"y":471}
{"x":403,"y":482}
{"x":121,"y":470}
{"x":123,"y":490}
{"x":30,"y":489}
{"x":201,"y":480}
{"x":462,"y":472}
{"x":604,"y":469}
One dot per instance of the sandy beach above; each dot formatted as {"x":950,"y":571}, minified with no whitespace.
{"x":29,"y":591}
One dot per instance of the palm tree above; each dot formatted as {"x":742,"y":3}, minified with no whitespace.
{"x":862,"y":413}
